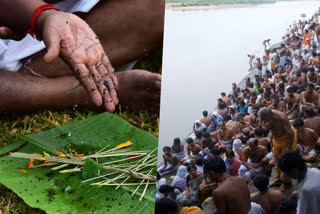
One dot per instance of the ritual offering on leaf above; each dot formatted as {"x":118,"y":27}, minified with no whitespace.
{"x":104,"y":165}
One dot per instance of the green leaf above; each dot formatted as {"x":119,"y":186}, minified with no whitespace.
{"x":88,"y":135}
{"x":90,"y":169}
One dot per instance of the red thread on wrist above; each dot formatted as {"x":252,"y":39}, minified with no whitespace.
{"x":36,"y":13}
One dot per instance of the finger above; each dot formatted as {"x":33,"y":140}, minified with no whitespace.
{"x":110,"y":69}
{"x":52,"y":41}
{"x":7,"y":33}
{"x":88,"y":83}
{"x":108,"y":82}
{"x":106,"y":97}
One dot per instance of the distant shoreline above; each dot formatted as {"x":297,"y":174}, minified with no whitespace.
{"x":171,"y":6}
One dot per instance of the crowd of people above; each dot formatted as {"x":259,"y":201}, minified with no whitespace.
{"x":269,"y":129}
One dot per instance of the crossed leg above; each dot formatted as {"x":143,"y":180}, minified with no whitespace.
{"x":127,"y":30}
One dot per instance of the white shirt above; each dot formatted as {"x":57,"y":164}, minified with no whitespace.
{"x":309,"y":193}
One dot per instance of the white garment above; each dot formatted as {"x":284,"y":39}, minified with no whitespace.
{"x":255,"y":209}
{"x":11,"y":52}
{"x":309,"y":193}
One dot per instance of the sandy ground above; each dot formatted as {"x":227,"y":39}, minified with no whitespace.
{"x":170,"y":6}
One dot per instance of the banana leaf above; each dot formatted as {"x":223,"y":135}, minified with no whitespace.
{"x":55,"y":192}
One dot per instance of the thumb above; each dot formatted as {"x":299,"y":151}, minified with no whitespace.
{"x":52,"y":41}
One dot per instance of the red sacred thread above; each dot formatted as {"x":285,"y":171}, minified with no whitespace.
{"x":35,"y":16}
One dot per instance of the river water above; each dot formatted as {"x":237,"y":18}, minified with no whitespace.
{"x":206,"y":50}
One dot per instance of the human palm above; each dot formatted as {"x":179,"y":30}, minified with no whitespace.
{"x":70,"y":37}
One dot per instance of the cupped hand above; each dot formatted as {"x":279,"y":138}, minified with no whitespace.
{"x":68,"y":36}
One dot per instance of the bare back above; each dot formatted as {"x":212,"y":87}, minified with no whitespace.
{"x":232,"y":196}
{"x":269,"y":200}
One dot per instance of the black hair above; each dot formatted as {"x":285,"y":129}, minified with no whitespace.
{"x":287,"y":205}
{"x":227,"y":118}
{"x":281,"y":85}
{"x":298,"y":123}
{"x":166,"y":205}
{"x":268,"y":90}
{"x":260,"y":90}
{"x":198,"y":134}
{"x":215,"y":152}
{"x":215,"y":164}
{"x":222,"y":105}
{"x":255,"y":107}
{"x":242,"y":102}
{"x":261,"y":182}
{"x":166,"y":189}
{"x":317,"y":147}
{"x":176,"y":141}
{"x":166,"y":148}
{"x":230,"y":153}
{"x":206,"y":135}
{"x":291,"y":160}
{"x":275,"y":97}
{"x":199,"y":161}
{"x":223,"y":94}
{"x":290,"y":89}
{"x":189,"y":140}
{"x":192,"y":166}
{"x":158,"y":176}
{"x":205,"y":113}
{"x":310,"y":85}
{"x":259,"y":132}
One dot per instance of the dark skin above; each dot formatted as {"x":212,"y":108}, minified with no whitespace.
{"x":312,"y":77}
{"x":169,"y":158}
{"x":313,"y":123}
{"x":279,"y":124}
{"x":195,"y":149}
{"x":193,"y":173}
{"x":277,"y":105}
{"x":292,"y":103}
{"x":232,"y":195}
{"x":307,"y":138}
{"x":137,"y":90}
{"x":206,"y":121}
{"x":298,"y":79}
{"x":255,"y":153}
{"x":224,"y":133}
{"x":263,"y":141}
{"x":309,"y":98}
{"x":269,"y":200}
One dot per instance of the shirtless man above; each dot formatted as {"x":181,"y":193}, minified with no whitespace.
{"x":310,"y":97}
{"x":292,"y":104}
{"x":307,"y":140}
{"x":266,"y":82}
{"x":232,"y":194}
{"x":262,"y":141}
{"x":315,"y":63}
{"x":280,"y":90}
{"x":192,"y":151}
{"x":225,"y":136}
{"x":245,"y":127}
{"x":170,"y":162}
{"x":268,"y":199}
{"x":312,"y":121}
{"x":225,"y":99}
{"x":205,"y":120}
{"x":235,"y":88}
{"x":276,"y":104}
{"x":298,"y":79}
{"x":254,"y":166}
{"x":284,"y":137}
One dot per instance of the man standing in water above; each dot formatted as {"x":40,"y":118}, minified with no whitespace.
{"x":232,"y":195}
{"x":284,"y":137}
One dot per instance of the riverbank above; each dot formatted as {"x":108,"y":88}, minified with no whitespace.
{"x":175,"y":6}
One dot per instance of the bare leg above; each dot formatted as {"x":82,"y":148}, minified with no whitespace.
{"x":23,"y":92}
{"x":127,"y":30}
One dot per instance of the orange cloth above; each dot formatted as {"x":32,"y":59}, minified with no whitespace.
{"x":191,"y":210}
{"x":280,"y":146}
{"x":307,"y":39}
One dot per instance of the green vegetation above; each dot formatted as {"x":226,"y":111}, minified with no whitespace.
{"x":14,"y":125}
{"x":184,"y":3}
